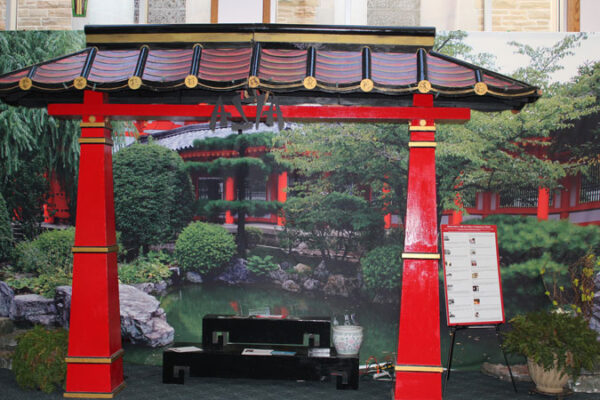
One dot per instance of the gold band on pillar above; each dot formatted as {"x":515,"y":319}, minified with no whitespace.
{"x":417,"y":128}
{"x":95,"y":249}
{"x":93,"y":124}
{"x":418,"y":368}
{"x":421,"y":256}
{"x":96,"y":140}
{"x":95,"y":360}
{"x":422,"y":144}
{"x":89,"y":395}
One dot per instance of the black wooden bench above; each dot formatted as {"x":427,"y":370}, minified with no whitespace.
{"x":261,"y":348}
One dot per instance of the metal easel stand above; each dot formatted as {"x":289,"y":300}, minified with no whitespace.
{"x":453,"y":331}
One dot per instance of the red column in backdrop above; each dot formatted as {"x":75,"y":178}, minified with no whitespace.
{"x":543,"y":203}
{"x":418,"y":364}
{"x":229,"y":196}
{"x":387,"y":218}
{"x":282,"y":184}
{"x":94,"y":360}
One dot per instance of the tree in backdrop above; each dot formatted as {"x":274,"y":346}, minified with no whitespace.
{"x":246,"y":170}
{"x":153,"y":195}
{"x":503,"y":151}
{"x":489,"y":153}
{"x":34,"y":145}
{"x":6,"y":236}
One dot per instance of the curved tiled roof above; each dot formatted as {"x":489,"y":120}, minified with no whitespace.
{"x":197,"y":63}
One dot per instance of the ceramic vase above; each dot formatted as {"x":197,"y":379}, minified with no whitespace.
{"x":347,"y":339}
{"x":551,"y":382}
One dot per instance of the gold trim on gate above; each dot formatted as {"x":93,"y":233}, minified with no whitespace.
{"x":215,"y":37}
{"x":253,"y":82}
{"x":418,"y":368}
{"x":191,"y":81}
{"x":89,"y":395}
{"x":25,"y":83}
{"x":421,"y":256}
{"x":95,"y":360}
{"x":310,"y":82}
{"x":95,"y":249}
{"x":94,"y":140}
{"x":134,"y":83}
{"x":422,"y":144}
{"x":425,"y":128}
{"x":93,"y":124}
{"x":481,"y":88}
{"x":366,"y":85}
{"x":80,"y":83}
{"x":424,"y":86}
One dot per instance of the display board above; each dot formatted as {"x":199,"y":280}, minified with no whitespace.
{"x":472,"y":281}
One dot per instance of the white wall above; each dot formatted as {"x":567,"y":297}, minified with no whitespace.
{"x":590,"y":16}
{"x":197,"y":11}
{"x":107,"y":12}
{"x":240,"y":11}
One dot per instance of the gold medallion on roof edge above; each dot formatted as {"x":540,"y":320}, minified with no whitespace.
{"x":191,"y":81}
{"x":253,"y":81}
{"x":424,"y":86}
{"x":135,"y":82}
{"x":481,"y":88}
{"x":310,"y":82}
{"x":366,"y":85}
{"x":25,"y":83}
{"x":80,"y":83}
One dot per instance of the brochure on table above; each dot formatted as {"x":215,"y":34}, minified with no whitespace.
{"x":472,"y":275}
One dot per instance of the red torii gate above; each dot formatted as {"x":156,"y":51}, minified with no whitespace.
{"x":94,"y":362}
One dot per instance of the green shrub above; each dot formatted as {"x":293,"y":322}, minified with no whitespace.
{"x":6,"y":236}
{"x":50,"y":251}
{"x":153,"y":267}
{"x":153,"y":195}
{"x":204,"y":247}
{"x":521,"y":239}
{"x":382,"y":269}
{"x":253,"y":237}
{"x":39,"y":359}
{"x":261,"y":265}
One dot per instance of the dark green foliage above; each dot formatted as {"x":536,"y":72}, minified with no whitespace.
{"x":334,"y":223}
{"x":546,"y":337}
{"x":228,"y":166}
{"x":39,"y":360}
{"x":204,"y":248}
{"x":152,"y":267}
{"x":235,"y":142}
{"x":31,"y":142}
{"x":382,"y":269}
{"x":153,"y":195}
{"x":250,"y":207}
{"x":527,"y":245}
{"x":49,"y":251}
{"x":6,"y":236}
{"x":261,"y":265}
{"x":253,"y":237}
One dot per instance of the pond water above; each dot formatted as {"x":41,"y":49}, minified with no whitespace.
{"x":186,"y":305}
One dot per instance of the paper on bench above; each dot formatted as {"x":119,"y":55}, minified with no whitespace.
{"x":186,"y":349}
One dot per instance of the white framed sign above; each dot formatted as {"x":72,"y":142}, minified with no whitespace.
{"x":472,"y":281}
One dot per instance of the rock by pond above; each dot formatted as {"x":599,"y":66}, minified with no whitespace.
{"x":291,"y":286}
{"x":33,"y":308}
{"x":340,"y":285}
{"x":236,"y":273}
{"x":6,"y":299}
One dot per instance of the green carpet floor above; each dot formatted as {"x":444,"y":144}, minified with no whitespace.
{"x":144,"y":383}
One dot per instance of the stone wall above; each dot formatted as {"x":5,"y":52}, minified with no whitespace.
{"x":166,"y":11}
{"x":2,"y":15}
{"x":44,"y":15}
{"x":297,"y":11}
{"x":394,"y":12}
{"x":522,"y":15}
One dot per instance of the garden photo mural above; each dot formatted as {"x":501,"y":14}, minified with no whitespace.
{"x":306,"y":220}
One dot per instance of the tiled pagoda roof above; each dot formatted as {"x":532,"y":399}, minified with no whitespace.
{"x":299,"y":64}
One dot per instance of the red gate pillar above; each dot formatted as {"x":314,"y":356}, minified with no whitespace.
{"x":94,"y":360}
{"x":543,"y":206}
{"x":229,"y":196}
{"x":418,"y":366}
{"x":282,"y":184}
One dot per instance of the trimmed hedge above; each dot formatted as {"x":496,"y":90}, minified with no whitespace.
{"x":153,"y":195}
{"x":382,"y":268}
{"x":204,"y":247}
{"x":48,"y":252}
{"x":39,"y":360}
